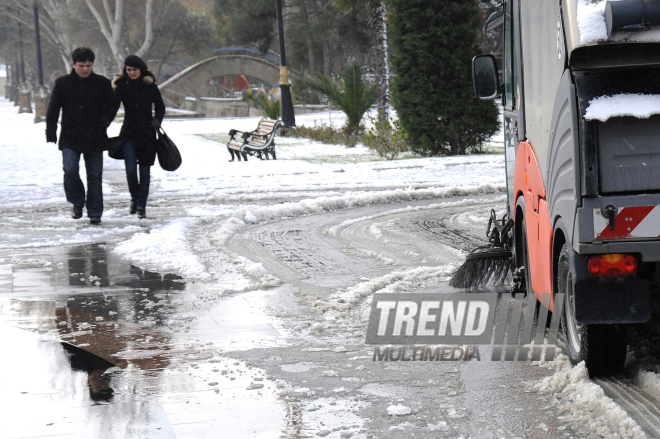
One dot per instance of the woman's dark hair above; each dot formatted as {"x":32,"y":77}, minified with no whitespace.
{"x":83,"y":54}
{"x":136,"y":62}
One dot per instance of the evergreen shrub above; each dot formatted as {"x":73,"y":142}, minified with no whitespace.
{"x":434,"y":42}
{"x":386,"y":137}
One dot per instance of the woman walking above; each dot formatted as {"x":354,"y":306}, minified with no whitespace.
{"x":136,"y":88}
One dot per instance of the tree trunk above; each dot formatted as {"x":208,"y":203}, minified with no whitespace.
{"x":111,"y":29}
{"x":326,"y":56}
{"x":149,"y":30}
{"x":378,"y":24}
{"x":309,"y":41}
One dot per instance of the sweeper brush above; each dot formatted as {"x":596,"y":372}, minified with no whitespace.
{"x":490,"y":264}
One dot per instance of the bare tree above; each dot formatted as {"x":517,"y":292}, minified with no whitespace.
{"x":110,"y":18}
{"x":50,"y":27}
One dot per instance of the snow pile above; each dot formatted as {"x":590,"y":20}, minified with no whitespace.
{"x":583,"y":404}
{"x":636,"y":105}
{"x":258,"y":214}
{"x":166,"y":248}
{"x":398,"y":410}
{"x":375,"y":231}
{"x":591,"y":21}
{"x":396,"y":282}
{"x":650,"y":382}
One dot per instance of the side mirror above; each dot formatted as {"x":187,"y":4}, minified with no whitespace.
{"x":484,"y":77}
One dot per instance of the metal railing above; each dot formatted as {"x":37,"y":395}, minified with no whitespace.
{"x":240,"y":51}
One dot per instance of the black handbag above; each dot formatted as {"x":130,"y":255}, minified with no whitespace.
{"x":169,"y":157}
{"x":116,"y":147}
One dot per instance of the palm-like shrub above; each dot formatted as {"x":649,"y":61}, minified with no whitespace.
{"x":271,"y":107}
{"x":353,"y":95}
{"x":377,"y":21}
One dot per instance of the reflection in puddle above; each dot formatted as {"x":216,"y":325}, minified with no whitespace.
{"x":139,"y":321}
{"x":98,"y":382}
{"x":98,"y":302}
{"x":55,"y":390}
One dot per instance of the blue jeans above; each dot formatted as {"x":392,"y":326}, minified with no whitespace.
{"x":73,"y":185}
{"x":139,"y":189}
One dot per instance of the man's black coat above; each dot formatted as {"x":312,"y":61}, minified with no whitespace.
{"x":88,"y":107}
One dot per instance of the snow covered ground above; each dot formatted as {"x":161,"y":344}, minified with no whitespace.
{"x":195,"y":212}
{"x":314,"y":176}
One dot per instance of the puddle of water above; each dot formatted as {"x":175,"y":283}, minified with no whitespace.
{"x":51,"y":390}
{"x":158,"y":334}
{"x":97,"y":301}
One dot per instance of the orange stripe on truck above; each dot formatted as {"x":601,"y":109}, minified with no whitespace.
{"x":529,"y":183}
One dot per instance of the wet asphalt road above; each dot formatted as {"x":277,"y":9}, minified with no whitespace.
{"x":254,"y":360}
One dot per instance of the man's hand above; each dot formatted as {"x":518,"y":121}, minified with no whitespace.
{"x":51,"y":138}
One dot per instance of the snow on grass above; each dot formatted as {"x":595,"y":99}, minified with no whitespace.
{"x":636,"y":105}
{"x":583,"y":405}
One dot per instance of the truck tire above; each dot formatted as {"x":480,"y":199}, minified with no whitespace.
{"x":525,"y":256}
{"x":601,"y":347}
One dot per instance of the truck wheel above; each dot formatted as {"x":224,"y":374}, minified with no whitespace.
{"x":525,"y":255}
{"x":601,"y":347}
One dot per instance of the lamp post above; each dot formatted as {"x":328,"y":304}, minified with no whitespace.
{"x":15,"y":81}
{"x":24,"y":97}
{"x":288,"y":117}
{"x":41,"y":94}
{"x":8,"y":82}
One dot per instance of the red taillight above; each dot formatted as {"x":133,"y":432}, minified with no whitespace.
{"x":612,"y":265}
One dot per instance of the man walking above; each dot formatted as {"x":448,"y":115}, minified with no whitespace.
{"x":87,"y":103}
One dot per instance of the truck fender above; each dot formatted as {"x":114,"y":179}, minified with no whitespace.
{"x":529,"y":183}
{"x":563,"y":185}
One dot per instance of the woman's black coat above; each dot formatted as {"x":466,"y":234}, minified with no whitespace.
{"x":138,"y":97}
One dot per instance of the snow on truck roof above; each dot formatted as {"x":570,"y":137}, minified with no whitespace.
{"x":585,"y":24}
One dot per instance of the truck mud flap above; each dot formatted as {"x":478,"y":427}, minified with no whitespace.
{"x":612,"y":302}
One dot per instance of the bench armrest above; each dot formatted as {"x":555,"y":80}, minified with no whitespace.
{"x":233,"y":133}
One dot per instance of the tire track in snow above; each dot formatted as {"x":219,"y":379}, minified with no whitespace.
{"x":639,"y":405}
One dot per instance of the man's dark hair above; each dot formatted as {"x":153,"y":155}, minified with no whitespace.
{"x":83,"y":54}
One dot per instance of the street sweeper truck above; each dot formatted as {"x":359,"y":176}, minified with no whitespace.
{"x":579,"y":82}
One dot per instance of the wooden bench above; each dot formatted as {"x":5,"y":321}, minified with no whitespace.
{"x":255,"y":143}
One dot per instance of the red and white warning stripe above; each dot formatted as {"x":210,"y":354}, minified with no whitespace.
{"x":629,"y":222}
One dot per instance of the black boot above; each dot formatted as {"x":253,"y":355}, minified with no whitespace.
{"x":133,"y":208}
{"x":142,"y":213}
{"x":76,"y":212}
